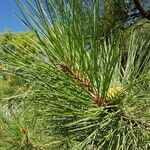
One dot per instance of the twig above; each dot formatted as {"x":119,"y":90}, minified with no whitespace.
{"x":85,"y":84}
{"x":140,"y":7}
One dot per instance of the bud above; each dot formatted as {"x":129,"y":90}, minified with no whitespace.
{"x":114,"y":91}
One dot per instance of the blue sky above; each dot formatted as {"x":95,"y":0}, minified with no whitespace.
{"x":8,"y":20}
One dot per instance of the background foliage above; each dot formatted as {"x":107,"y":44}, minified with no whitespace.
{"x":80,"y":79}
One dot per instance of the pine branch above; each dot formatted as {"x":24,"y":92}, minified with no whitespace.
{"x":77,"y":75}
{"x":95,"y":96}
{"x":134,"y":121}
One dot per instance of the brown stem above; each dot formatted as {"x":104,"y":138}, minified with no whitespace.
{"x":140,"y":7}
{"x":85,"y":83}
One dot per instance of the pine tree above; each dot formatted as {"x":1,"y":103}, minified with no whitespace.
{"x":88,"y":89}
